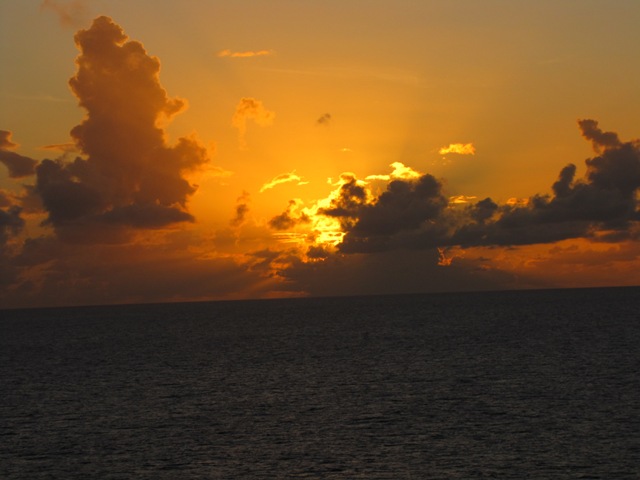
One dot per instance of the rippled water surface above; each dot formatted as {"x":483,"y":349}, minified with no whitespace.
{"x":513,"y":385}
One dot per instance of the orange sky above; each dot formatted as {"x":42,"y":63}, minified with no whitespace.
{"x":161,"y":151}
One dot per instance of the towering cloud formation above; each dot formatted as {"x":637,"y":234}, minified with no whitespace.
{"x":18,"y":165}
{"x":250,"y":109}
{"x":129,"y":176}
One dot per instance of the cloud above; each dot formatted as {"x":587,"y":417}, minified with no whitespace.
{"x":250,"y":109}
{"x":415,"y":214}
{"x":246,"y":54}
{"x":444,"y":260}
{"x":70,"y":14}
{"x":460,"y":199}
{"x":324,"y":120}
{"x":283,"y":178}
{"x":5,"y":140}
{"x":385,"y":273}
{"x":599,"y":139}
{"x":19,"y":166}
{"x":11,"y":226}
{"x":346,"y":204}
{"x":290,"y":217}
{"x":128,"y":273}
{"x":61,"y":147}
{"x":400,"y":170}
{"x":128,"y":175}
{"x":10,"y":223}
{"x":242,"y":208}
{"x":459,"y":148}
{"x":406,"y":205}
{"x":5,"y":199}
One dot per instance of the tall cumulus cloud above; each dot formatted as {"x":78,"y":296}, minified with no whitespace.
{"x":128,"y":176}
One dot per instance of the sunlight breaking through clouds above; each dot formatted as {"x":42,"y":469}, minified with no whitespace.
{"x":108,"y":199}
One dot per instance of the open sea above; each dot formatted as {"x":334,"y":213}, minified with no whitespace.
{"x":506,"y":385}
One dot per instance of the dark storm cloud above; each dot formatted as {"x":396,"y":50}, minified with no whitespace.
{"x":129,"y":176}
{"x":19,"y":166}
{"x":413,"y":213}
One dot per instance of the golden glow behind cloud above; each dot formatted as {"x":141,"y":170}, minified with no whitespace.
{"x":400,"y":171}
{"x":135,"y":172}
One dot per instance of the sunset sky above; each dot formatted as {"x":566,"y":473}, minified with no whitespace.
{"x":155,"y":150}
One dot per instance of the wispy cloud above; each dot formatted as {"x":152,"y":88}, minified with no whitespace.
{"x":247,"y":54}
{"x":250,"y":109}
{"x":459,"y":148}
{"x":37,"y":97}
{"x":61,"y":147}
{"x":283,"y":178}
{"x":70,"y":14}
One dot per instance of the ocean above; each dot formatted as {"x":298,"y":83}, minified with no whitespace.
{"x":509,"y":385}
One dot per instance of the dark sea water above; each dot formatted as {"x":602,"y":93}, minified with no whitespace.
{"x":538,"y":384}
